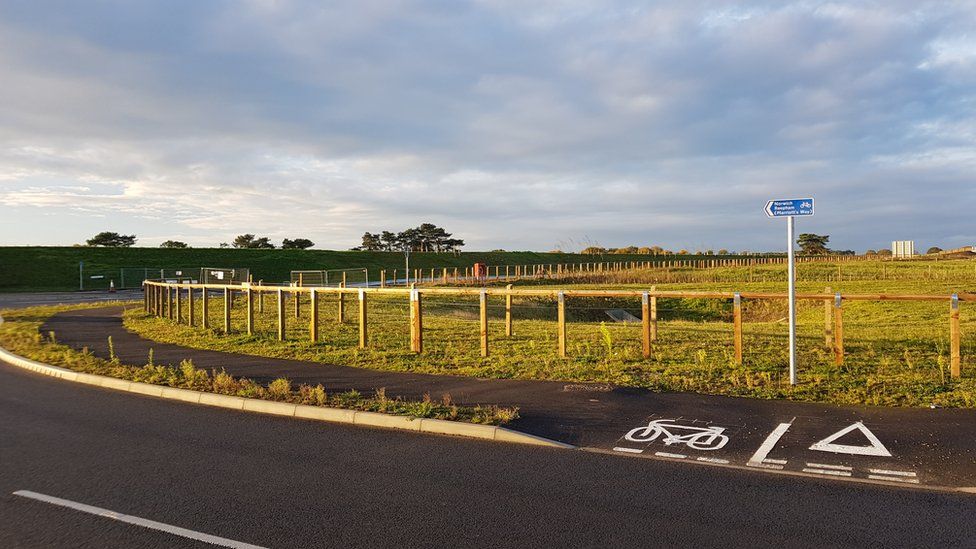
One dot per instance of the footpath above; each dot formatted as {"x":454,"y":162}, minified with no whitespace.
{"x":912,"y":447}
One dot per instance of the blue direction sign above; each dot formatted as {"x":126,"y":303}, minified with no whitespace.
{"x":790,"y":207}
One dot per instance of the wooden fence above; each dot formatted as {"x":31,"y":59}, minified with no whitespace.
{"x":167,"y":300}
{"x":512,"y":273}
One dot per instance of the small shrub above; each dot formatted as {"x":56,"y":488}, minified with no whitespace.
{"x":279,"y":389}
{"x":224,"y":383}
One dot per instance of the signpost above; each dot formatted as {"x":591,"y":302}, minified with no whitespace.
{"x":790,"y":208}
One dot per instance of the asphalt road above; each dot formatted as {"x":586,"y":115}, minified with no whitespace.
{"x":281,"y":482}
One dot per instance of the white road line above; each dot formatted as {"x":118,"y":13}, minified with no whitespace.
{"x":894,"y":479}
{"x":145,"y":523}
{"x":776,"y":461}
{"x":668,"y":455}
{"x":895,"y":473}
{"x":713,"y":460}
{"x":628,"y":450}
{"x":827,"y":472}
{"x":827,"y":466}
{"x":767,"y":446}
{"x":765,"y":465}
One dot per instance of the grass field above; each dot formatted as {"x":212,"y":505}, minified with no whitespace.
{"x":897,"y":353}
{"x":56,"y":268}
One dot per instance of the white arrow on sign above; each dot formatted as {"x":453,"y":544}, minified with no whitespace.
{"x":875,"y":449}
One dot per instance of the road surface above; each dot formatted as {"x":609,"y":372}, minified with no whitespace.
{"x":279,"y":482}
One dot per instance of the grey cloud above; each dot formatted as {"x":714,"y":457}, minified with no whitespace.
{"x":516,"y":125}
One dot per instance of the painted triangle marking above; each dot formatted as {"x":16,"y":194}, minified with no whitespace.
{"x":875,"y":449}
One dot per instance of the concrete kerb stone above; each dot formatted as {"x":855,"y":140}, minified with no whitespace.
{"x":374,"y":419}
{"x":335,"y":415}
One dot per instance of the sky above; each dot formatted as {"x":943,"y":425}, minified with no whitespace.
{"x":517,"y":125}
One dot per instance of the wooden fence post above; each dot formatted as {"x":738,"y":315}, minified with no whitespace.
{"x":363,"y":333}
{"x":383,"y":278}
{"x":189,"y":306}
{"x":342,"y":303}
{"x":313,"y":314}
{"x":508,"y":312}
{"x":416,"y":322}
{"x":179,"y":304}
{"x":169,"y":302}
{"x":205,"y":309}
{"x":226,"y":310}
{"x":298,"y":305}
{"x":483,"y":318}
{"x":646,"y":324}
{"x":249,"y":310}
{"x":445,"y":276}
{"x":260,"y":301}
{"x":561,"y":317}
{"x":737,"y":326}
{"x":281,"y":314}
{"x":653,"y":314}
{"x":838,"y":330}
{"x":954,"y":354}
{"x":828,"y":325}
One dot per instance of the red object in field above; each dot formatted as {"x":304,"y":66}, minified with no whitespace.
{"x":480,"y":271}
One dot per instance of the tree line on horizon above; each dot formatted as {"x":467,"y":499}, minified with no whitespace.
{"x":427,"y":237}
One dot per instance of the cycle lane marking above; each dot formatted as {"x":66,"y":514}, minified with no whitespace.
{"x":759,"y":458}
{"x":705,"y":436}
{"x":876,"y":448}
{"x":829,"y":466}
{"x":670,"y":455}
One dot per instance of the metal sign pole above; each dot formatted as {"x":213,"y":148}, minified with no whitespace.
{"x":791,"y":274}
{"x":790,"y":208}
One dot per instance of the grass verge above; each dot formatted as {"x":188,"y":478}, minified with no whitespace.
{"x":19,"y":333}
{"x":896,"y":352}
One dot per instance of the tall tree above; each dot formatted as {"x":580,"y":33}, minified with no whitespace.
{"x":813,"y":244}
{"x":112,"y":240}
{"x":248,"y":240}
{"x":297,"y":244}
{"x":389,"y":240}
{"x":371,"y":243}
{"x":173,"y":244}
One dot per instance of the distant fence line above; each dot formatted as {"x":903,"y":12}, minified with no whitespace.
{"x":166,"y":300}
{"x":454,"y":275}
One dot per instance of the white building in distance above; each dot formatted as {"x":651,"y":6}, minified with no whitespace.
{"x":902,"y":248}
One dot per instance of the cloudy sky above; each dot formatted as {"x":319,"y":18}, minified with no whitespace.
{"x":516,"y":125}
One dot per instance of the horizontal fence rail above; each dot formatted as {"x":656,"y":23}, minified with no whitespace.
{"x":166,"y":300}
{"x":449,"y":275}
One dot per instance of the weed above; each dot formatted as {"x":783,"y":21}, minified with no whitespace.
{"x":111,"y":351}
{"x":279,"y":389}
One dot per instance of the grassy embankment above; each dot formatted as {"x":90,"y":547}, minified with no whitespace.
{"x":38,"y":268}
{"x":19,"y":333}
{"x":897,"y":352}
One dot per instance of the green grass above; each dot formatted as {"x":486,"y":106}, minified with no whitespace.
{"x":20,"y":334}
{"x":36,"y":268}
{"x":896,"y":352}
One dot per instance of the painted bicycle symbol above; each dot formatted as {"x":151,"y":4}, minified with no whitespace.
{"x":699,"y":438}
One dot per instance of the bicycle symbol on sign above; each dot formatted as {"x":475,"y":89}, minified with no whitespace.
{"x":699,"y":438}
